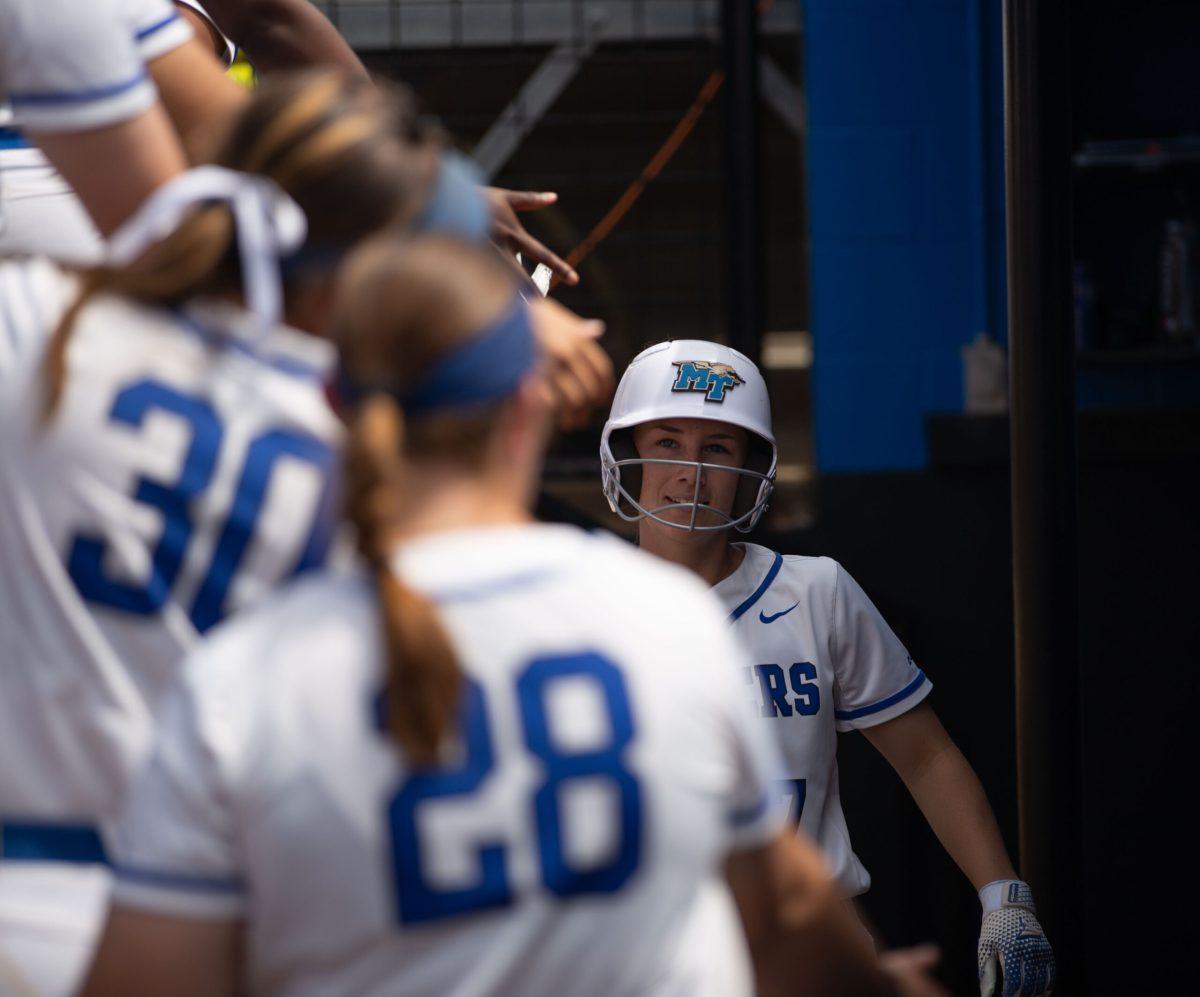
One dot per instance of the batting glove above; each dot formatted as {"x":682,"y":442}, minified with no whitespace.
{"x":1012,"y":945}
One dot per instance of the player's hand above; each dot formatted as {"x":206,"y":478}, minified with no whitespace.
{"x":510,"y":234}
{"x":1015,"y":959}
{"x":910,"y":971}
{"x":579,"y":374}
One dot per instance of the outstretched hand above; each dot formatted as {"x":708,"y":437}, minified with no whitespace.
{"x":579,"y":374}
{"x":510,"y":234}
{"x":910,"y":971}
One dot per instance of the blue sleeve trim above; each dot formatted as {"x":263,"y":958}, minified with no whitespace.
{"x":179,"y":881}
{"x":11,"y":138}
{"x":156,"y":27}
{"x":78,"y":96}
{"x":759,"y":592}
{"x":740,"y":818}
{"x":36,"y":842}
{"x":883,"y":704}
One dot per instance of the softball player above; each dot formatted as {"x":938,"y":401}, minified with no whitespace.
{"x":507,"y":783}
{"x":39,"y":211}
{"x":165,"y":458}
{"x":688,"y":453}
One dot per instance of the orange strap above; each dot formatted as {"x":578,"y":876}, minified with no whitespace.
{"x":657,"y":163}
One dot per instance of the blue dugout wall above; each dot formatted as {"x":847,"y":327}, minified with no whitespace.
{"x":906,"y":213}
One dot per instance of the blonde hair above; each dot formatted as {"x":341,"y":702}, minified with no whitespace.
{"x":406,"y":306}
{"x":346,"y":150}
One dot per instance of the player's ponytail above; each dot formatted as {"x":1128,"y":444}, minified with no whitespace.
{"x":423,"y":677}
{"x":434,"y":343}
{"x":355,"y":157}
{"x":165,"y":274}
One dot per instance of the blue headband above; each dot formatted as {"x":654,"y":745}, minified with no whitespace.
{"x":487,"y":367}
{"x":457,"y":205}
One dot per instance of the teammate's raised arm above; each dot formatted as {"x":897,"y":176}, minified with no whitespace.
{"x":283,"y":34}
{"x":290,"y":34}
{"x":197,"y":94}
{"x":206,"y":29}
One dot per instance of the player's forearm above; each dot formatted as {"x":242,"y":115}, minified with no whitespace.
{"x":803,"y":937}
{"x":952,"y":799}
{"x":283,"y":34}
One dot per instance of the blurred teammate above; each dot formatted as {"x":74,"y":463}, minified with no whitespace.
{"x":283,"y":35}
{"x":166,"y":454}
{"x":74,"y":75}
{"x":39,"y":211}
{"x":688,"y":453}
{"x":474,"y":767}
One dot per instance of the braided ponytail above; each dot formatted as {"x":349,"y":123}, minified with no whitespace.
{"x":423,"y":677}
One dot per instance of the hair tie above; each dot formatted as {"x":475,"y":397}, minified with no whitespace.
{"x":268,"y":222}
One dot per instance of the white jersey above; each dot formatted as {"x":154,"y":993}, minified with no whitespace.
{"x":824,"y":661}
{"x":186,"y":471}
{"x":68,"y":65}
{"x":604,"y":770}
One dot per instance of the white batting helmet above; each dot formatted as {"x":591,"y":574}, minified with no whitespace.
{"x":690,"y":379}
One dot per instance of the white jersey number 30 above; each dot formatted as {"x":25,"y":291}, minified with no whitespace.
{"x":86,"y":556}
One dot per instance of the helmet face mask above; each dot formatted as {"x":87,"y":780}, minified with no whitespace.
{"x":690,"y":380}
{"x":743,"y":523}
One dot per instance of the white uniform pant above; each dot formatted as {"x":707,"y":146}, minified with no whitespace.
{"x":51,"y":914}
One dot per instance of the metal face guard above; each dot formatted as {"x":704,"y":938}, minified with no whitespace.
{"x":743,"y":523}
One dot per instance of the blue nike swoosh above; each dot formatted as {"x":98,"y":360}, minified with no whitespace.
{"x":774,"y":616}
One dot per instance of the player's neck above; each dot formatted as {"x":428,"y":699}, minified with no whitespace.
{"x":709,"y":555}
{"x":438,"y":500}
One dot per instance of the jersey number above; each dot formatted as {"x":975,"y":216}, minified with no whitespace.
{"x":85,"y":560}
{"x":796,"y":791}
{"x":419,"y":900}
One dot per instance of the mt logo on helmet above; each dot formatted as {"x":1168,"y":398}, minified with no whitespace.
{"x":713,"y":379}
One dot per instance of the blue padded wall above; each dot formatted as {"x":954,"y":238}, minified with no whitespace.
{"x":906,"y":212}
